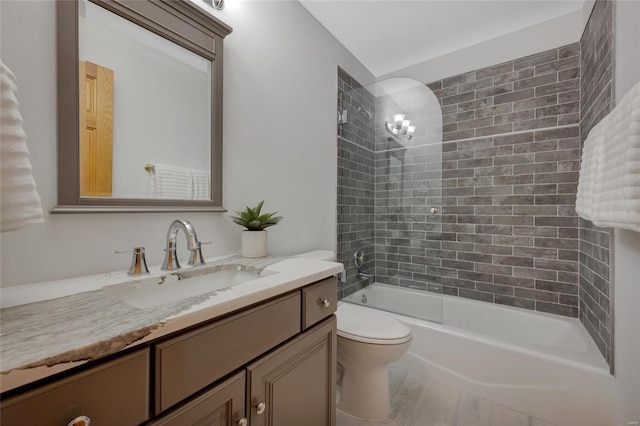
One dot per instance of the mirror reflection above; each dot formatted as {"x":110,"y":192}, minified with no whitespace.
{"x":145,"y":112}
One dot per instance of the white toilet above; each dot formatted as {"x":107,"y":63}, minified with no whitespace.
{"x":368,"y":341}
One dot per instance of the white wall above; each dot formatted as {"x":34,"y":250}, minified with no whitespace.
{"x":547,"y":35}
{"x":626,"y":248}
{"x":279,"y":135}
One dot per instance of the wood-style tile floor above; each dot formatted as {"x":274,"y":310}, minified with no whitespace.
{"x":419,"y":401}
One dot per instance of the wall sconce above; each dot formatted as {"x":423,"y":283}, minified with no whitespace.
{"x":217,"y":4}
{"x":401,"y":128}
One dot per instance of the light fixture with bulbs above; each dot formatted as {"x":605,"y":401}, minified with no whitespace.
{"x":216,"y":4}
{"x":401,"y":128}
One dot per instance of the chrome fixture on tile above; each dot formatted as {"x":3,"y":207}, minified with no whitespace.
{"x":364,"y":276}
{"x":401,"y":128}
{"x":138,"y":261}
{"x":170,"y":262}
{"x":365,"y":112}
{"x":358,"y":260}
{"x":343,"y":113}
{"x":343,"y":117}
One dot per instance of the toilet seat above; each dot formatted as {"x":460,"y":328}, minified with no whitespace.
{"x":367,"y":326}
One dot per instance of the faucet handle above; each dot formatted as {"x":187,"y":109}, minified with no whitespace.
{"x":138,"y":262}
{"x":196,"y":254}
{"x":170,"y":262}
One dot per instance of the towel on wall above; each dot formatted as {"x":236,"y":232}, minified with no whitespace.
{"x":20,"y":203}
{"x":170,"y":182}
{"x":200,"y":184}
{"x":609,"y":181}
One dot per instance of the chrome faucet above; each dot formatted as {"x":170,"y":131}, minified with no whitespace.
{"x":195,"y":247}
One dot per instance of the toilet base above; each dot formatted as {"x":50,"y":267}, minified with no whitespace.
{"x":365,"y":379}
{"x":366,"y":396}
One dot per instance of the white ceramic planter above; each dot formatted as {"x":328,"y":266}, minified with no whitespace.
{"x":254,"y":243}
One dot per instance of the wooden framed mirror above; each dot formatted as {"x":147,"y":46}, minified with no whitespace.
{"x":139,"y":106}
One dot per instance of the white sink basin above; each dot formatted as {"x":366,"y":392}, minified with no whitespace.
{"x":150,"y":292}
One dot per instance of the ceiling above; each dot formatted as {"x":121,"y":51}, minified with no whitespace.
{"x":387,"y":35}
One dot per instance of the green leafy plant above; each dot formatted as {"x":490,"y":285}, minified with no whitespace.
{"x":253,"y":220}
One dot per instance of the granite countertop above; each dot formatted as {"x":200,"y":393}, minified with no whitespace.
{"x":54,"y":326}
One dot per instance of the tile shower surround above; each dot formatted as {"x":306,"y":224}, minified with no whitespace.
{"x":509,"y":177}
{"x":596,"y":289}
{"x":510,"y":171}
{"x":356,"y":162}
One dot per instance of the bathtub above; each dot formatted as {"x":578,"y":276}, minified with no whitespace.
{"x":544,"y":365}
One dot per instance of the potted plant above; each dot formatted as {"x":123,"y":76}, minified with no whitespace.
{"x":254,"y":238}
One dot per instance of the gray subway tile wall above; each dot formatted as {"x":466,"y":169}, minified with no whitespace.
{"x":596,"y":288}
{"x":510,"y":171}
{"x":356,"y":180}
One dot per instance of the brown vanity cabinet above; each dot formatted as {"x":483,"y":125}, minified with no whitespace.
{"x":294,"y":385}
{"x":113,"y":393}
{"x":273,"y":363}
{"x":221,"y":406}
{"x":192,"y":361}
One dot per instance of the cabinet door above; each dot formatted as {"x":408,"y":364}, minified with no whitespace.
{"x":295,"y":384}
{"x":221,"y":406}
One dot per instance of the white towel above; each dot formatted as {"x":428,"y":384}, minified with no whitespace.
{"x":609,"y":182}
{"x":200,"y":184}
{"x":20,"y":203}
{"x":170,"y":182}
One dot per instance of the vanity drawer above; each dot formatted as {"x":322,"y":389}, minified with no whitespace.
{"x":319,"y":300}
{"x":114,"y":393}
{"x":192,"y":361}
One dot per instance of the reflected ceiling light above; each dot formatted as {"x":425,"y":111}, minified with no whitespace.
{"x":217,"y":4}
{"x":401,"y":129}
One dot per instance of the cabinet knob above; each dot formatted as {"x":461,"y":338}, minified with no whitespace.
{"x":260,"y":407}
{"x":242,"y":422}
{"x":80,"y":421}
{"x":326,"y":303}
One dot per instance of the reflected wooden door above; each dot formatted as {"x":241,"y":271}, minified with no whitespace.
{"x":96,"y":130}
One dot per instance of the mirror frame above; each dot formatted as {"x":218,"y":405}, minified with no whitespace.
{"x":178,"y":21}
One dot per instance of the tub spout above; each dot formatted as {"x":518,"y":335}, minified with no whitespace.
{"x":363,"y":276}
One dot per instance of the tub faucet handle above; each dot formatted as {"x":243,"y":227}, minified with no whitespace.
{"x":138,"y":261}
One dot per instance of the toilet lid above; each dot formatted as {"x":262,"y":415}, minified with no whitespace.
{"x":370,"y":326}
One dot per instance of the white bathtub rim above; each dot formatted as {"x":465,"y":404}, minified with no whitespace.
{"x":590,"y":353}
{"x":591,"y":361}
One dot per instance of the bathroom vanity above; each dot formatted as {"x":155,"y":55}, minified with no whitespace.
{"x":271,"y":361}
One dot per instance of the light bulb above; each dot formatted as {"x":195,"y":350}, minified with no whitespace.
{"x":398,"y":119}
{"x":410,"y":131}
{"x":405,"y":126}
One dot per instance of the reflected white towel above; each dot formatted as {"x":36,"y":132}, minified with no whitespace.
{"x":20,"y":203}
{"x":170,"y":182}
{"x":200,"y":184}
{"x":609,"y":182}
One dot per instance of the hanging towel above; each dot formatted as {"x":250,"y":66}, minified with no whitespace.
{"x":20,"y":203}
{"x":609,"y":182}
{"x":200,"y":184}
{"x":170,"y":182}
